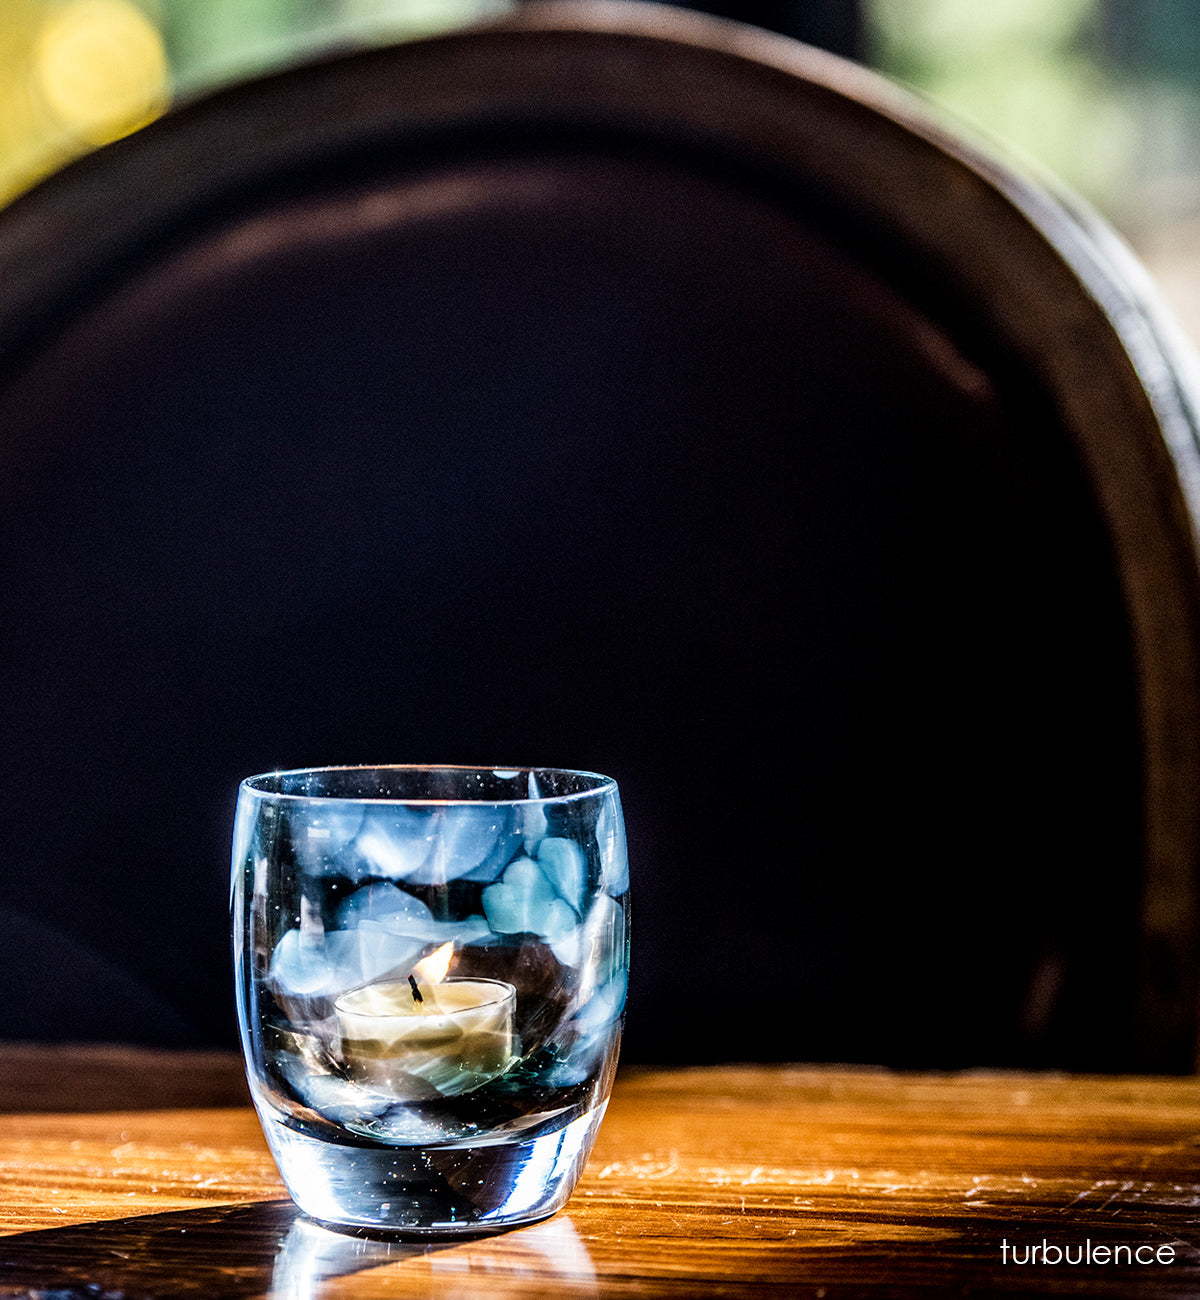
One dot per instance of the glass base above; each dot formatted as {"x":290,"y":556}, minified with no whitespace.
{"x":433,"y":1191}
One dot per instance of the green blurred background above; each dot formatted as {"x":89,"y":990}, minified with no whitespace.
{"x":1104,"y":94}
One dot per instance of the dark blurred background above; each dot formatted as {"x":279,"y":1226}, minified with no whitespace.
{"x":1094,"y":91}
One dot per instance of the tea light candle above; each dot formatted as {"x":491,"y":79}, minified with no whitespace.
{"x":427,"y":1035}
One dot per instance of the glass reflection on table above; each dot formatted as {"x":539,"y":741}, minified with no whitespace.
{"x":552,"y":1251}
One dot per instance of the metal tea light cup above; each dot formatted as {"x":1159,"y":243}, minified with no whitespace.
{"x":431,"y":966}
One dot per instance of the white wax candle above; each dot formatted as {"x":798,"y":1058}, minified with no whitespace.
{"x":455,"y":1038}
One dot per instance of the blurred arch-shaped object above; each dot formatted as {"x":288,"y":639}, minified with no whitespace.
{"x":615,"y":387}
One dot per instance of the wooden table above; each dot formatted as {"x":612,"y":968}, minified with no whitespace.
{"x":733,"y":1181}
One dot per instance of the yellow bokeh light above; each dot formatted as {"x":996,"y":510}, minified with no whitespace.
{"x":100,"y":67}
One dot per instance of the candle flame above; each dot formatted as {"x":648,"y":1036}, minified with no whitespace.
{"x":432,"y":969}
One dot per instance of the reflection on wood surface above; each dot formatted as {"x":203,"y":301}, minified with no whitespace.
{"x":737,"y":1181}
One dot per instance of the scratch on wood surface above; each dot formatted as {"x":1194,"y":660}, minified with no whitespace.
{"x":644,"y":1167}
{"x":976,"y":1192}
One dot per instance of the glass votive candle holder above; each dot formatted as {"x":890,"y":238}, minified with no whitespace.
{"x":431,"y":966}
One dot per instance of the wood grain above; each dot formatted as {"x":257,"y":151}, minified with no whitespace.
{"x":73,"y":1077}
{"x":732,"y":1181}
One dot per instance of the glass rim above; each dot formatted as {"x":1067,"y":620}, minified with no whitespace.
{"x":597,"y":783}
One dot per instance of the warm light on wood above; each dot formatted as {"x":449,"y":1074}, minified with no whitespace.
{"x":733,"y":1181}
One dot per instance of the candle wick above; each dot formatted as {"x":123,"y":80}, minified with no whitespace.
{"x":416,"y":992}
